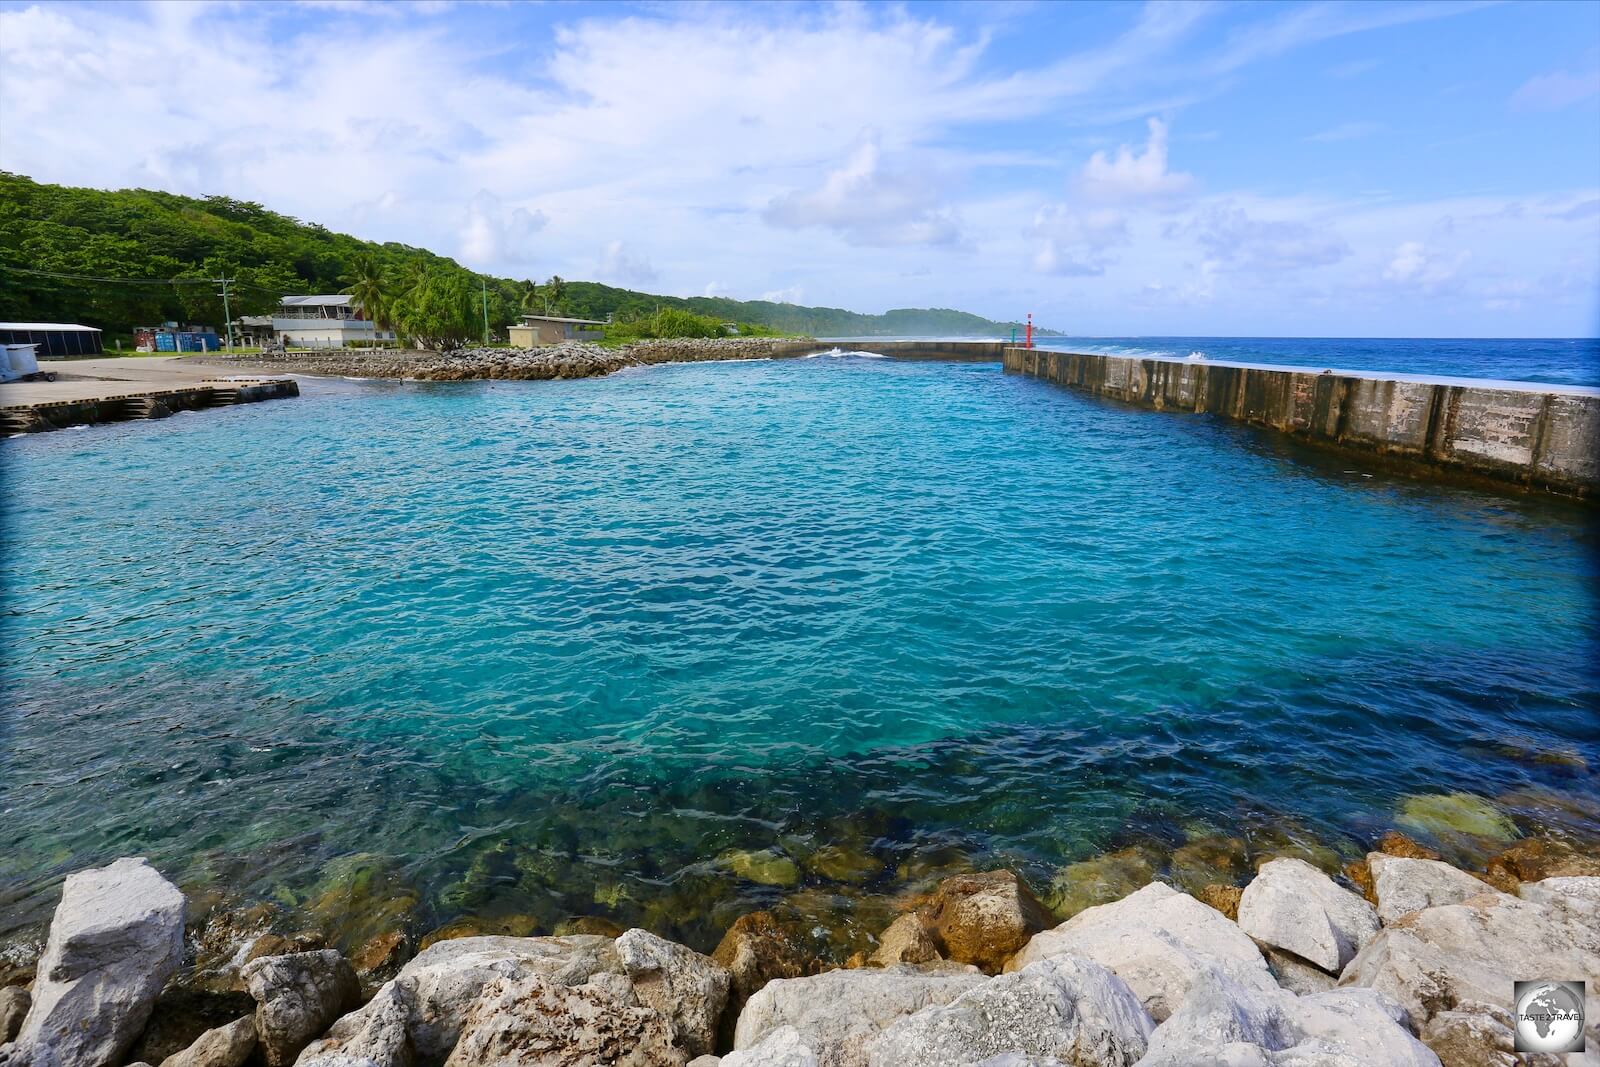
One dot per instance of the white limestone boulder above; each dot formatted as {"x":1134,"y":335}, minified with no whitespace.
{"x":1481,"y":1035}
{"x":116,"y":937}
{"x":1155,"y":940}
{"x":1223,"y":1022}
{"x":1071,"y":1009}
{"x":14,"y":1004}
{"x":446,"y":980}
{"x":376,"y":1036}
{"x":1579,"y":897}
{"x":783,"y":1047}
{"x":838,"y":1014}
{"x":1403,"y":885}
{"x":1290,"y":905}
{"x":687,"y":988}
{"x":1460,"y":957}
{"x":222,"y":1046}
{"x":531,"y":1020}
{"x":298,"y":996}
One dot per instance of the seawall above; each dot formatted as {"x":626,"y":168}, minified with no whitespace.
{"x":1527,"y":435}
{"x":936,"y":351}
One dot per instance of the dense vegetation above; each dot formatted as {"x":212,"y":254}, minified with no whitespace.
{"x":136,"y":241}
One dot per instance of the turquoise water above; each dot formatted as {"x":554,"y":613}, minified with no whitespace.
{"x":554,"y":648}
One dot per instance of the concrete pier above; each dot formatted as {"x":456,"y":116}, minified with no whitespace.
{"x":1528,"y":435}
{"x":112,"y":390}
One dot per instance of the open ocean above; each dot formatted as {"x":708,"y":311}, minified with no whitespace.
{"x":690,"y":640}
{"x":1558,"y":361}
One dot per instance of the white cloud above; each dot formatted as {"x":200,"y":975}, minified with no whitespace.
{"x":492,"y":235}
{"x":665,"y":146}
{"x":869,"y":204}
{"x":620,"y":265}
{"x":1415,"y":265}
{"x":792,"y":295}
{"x":1557,"y":89}
{"x":1235,"y":239}
{"x":1346,"y":131}
{"x":1131,"y":175}
{"x":1073,"y":243}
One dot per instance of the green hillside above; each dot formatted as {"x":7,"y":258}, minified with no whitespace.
{"x":152,"y":237}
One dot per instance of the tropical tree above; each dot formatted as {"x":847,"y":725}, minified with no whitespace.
{"x":529,"y":296}
{"x":555,"y":291}
{"x":367,"y":285}
{"x":437,"y":310}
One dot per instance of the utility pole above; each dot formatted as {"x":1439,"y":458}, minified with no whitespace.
{"x":227,"y":315}
{"x":483,"y":282}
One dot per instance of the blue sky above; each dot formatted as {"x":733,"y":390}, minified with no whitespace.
{"x":1404,"y":169}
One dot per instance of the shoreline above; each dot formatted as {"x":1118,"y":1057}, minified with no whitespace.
{"x":986,"y":926}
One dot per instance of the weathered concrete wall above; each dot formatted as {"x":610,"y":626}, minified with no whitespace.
{"x":1537,"y":437}
{"x":148,"y":404}
{"x":943,"y":351}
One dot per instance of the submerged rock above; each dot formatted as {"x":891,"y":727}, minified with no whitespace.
{"x":1068,"y":1008}
{"x":838,"y":1014}
{"x":1537,"y":859}
{"x":1156,"y":940}
{"x":117,"y":936}
{"x":1451,"y":817}
{"x":1099,"y":880}
{"x":477,"y":926}
{"x":297,"y":998}
{"x":911,"y":938}
{"x":766,"y":867}
{"x":1292,"y":906}
{"x":983,"y":919}
{"x":1207,"y":860}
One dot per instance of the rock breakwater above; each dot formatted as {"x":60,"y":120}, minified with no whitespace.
{"x":1414,"y":969}
{"x":568,"y":360}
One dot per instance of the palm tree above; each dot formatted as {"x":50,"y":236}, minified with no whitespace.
{"x":554,"y":290}
{"x":370,"y":289}
{"x":530,"y":296}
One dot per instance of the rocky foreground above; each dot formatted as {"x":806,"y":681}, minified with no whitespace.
{"x":1293,"y":969}
{"x":571,"y":359}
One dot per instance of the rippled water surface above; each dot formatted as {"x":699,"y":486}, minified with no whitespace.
{"x":567,"y":648}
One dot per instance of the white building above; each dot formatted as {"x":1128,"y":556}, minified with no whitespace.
{"x":324,"y":322}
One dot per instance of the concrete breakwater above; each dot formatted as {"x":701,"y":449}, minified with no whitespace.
{"x":1533,"y":436}
{"x":90,"y":403}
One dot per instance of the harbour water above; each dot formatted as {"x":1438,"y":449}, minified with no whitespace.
{"x":688,"y":640}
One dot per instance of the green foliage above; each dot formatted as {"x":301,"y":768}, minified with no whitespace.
{"x":143,"y":234}
{"x":439,"y":310}
{"x":665,"y":322}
